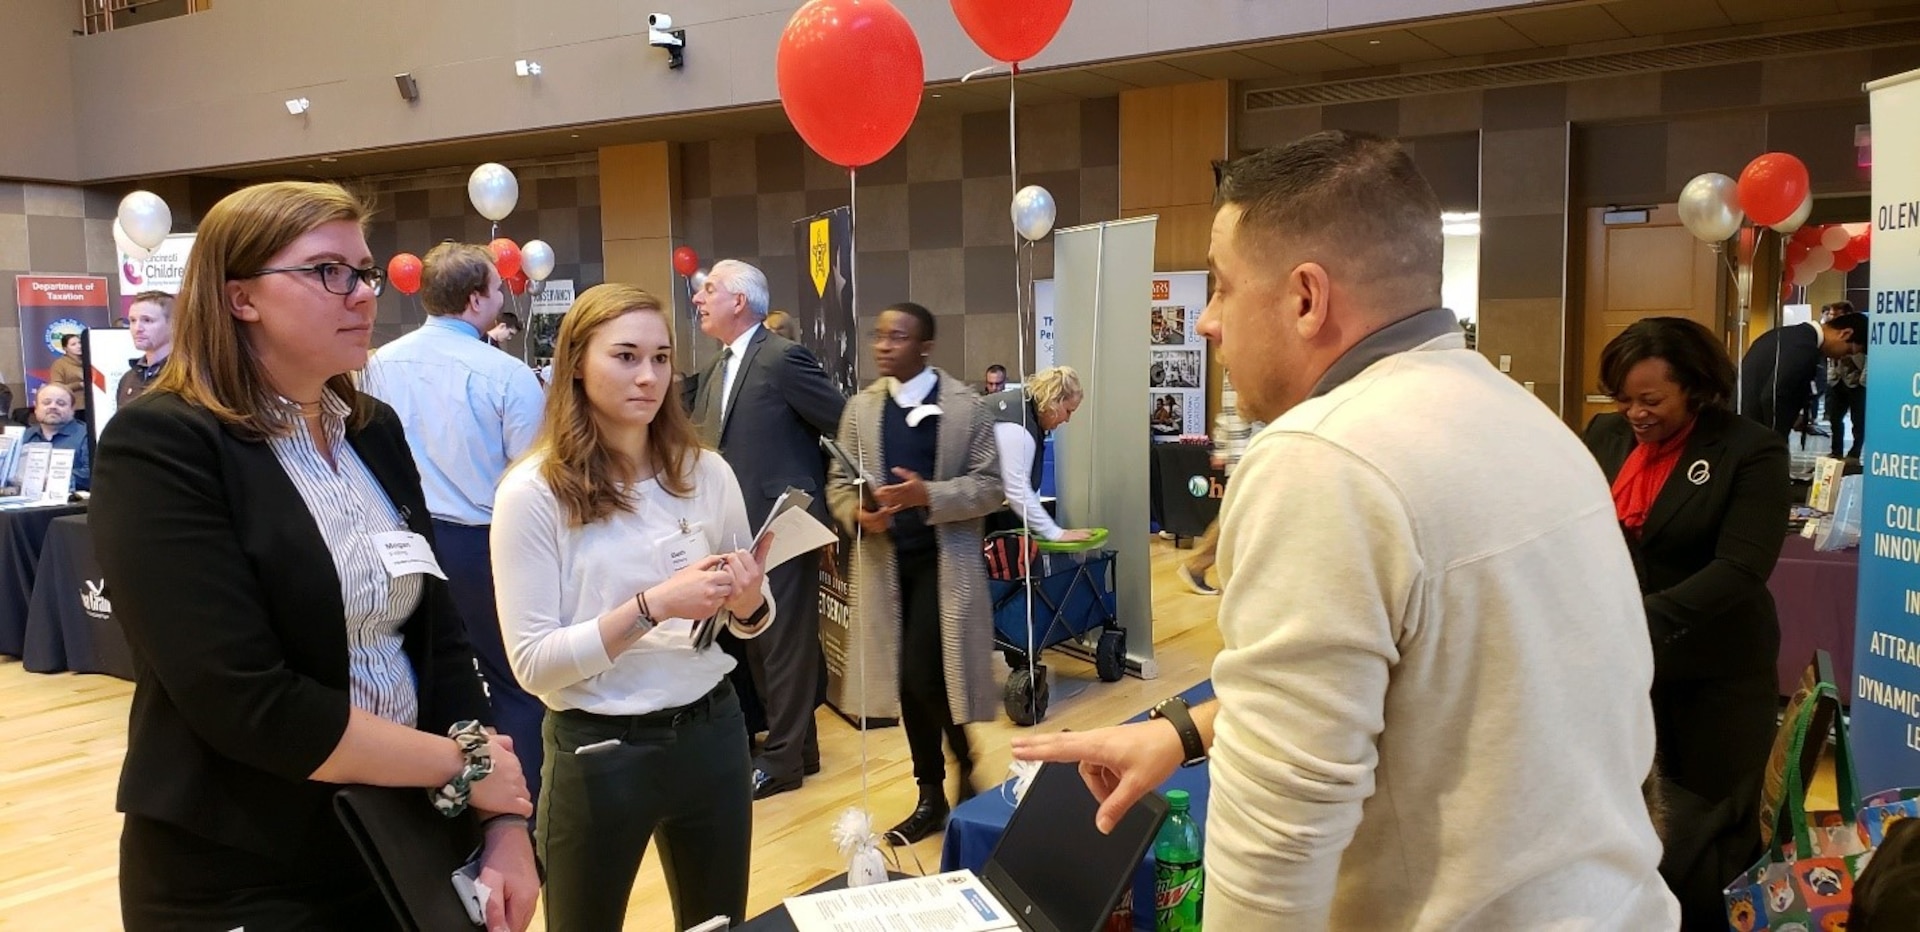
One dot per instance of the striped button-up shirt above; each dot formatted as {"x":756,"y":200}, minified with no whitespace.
{"x":350,"y":507}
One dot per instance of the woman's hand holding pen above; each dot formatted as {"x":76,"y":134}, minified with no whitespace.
{"x":746,"y":571}
{"x":695,"y":592}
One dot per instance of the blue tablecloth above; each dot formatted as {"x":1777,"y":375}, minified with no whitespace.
{"x":976,"y":825}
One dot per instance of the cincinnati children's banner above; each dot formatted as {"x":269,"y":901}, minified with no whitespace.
{"x":1886,"y":657}
{"x":52,"y":306}
{"x":163,"y":270}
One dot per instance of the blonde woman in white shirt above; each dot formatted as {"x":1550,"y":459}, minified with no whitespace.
{"x":616,"y":542}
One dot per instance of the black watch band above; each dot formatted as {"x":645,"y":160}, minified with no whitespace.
{"x":1174,"y":711}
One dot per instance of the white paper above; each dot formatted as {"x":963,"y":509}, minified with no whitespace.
{"x":35,"y":461}
{"x":952,"y":902}
{"x":795,"y":532}
{"x":59,"y":476}
{"x":406,"y":553}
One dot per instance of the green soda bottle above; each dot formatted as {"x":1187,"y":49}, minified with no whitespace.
{"x":1179,"y":880}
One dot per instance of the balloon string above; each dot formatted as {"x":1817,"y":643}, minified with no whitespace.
{"x":853,"y":320}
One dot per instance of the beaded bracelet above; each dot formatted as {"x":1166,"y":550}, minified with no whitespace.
{"x":452,"y":798}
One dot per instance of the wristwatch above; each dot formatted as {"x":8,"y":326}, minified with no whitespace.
{"x":1174,"y":711}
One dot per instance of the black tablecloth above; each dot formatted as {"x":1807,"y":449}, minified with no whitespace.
{"x":70,"y":624}
{"x":22,"y":532}
{"x":1178,"y":471}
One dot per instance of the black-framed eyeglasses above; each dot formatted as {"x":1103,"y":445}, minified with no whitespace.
{"x":337,"y":277}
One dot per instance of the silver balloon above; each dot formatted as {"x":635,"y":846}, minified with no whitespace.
{"x":1799,"y":218}
{"x":536,"y":259}
{"x":696,"y":281}
{"x":126,"y":245}
{"x":1710,"y":207}
{"x":1033,"y":212}
{"x":146,"y":219}
{"x":493,"y":191}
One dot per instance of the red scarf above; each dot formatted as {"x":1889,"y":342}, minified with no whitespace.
{"x":1643,"y":475}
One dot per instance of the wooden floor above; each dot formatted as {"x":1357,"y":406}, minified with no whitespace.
{"x":62,"y":738}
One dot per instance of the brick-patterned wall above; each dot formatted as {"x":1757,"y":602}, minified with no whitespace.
{"x":932,"y":217}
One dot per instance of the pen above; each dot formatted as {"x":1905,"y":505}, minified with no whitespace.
{"x":597,"y":747}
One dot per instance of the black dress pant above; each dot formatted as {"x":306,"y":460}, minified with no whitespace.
{"x":788,"y":669}
{"x":678,"y":778}
{"x":466,"y":554}
{"x":172,"y":880}
{"x":1844,"y":400}
{"x":925,"y":713}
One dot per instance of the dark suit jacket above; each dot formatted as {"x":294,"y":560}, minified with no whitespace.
{"x":230,"y":601}
{"x":770,"y":433}
{"x":1776,"y":375}
{"x":1708,"y":546}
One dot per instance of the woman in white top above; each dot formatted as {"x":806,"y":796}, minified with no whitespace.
{"x":616,"y":549}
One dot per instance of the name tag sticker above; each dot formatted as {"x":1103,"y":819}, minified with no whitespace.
{"x":406,"y":553}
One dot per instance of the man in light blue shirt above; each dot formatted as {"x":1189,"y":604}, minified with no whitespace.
{"x":469,"y":410}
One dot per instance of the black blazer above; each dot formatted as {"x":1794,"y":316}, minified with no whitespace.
{"x":782,"y":404}
{"x":1709,"y":544}
{"x":1777,"y":375}
{"x":230,"y":601}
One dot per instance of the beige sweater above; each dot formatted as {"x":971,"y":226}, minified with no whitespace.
{"x":1433,"y":689}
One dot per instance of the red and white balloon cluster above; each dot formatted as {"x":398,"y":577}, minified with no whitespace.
{"x":1835,"y":247}
{"x":494,"y":191}
{"x":1774,"y":193}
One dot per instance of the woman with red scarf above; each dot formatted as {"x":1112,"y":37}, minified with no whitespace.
{"x":1702,"y":496}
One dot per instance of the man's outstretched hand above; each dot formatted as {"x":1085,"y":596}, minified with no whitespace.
{"x":1120,"y":764}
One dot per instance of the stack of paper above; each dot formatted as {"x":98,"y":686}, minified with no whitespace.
{"x":794,"y":530}
{"x":952,"y":902}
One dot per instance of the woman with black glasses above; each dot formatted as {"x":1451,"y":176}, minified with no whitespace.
{"x":263,"y":533}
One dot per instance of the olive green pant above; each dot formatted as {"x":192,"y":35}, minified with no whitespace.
{"x":681,"y":778}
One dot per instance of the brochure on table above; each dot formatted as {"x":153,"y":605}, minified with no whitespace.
{"x":955,"y":901}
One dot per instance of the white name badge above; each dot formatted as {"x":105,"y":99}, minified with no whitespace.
{"x":685,"y":547}
{"x":406,"y":553}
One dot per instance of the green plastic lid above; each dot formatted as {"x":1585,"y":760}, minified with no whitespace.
{"x":1095,"y":542}
{"x":1177,"y":799}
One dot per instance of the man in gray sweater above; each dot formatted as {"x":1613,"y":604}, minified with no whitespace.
{"x":1433,"y":687}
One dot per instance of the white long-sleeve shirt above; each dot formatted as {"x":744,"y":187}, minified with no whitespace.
{"x":1016,"y":475}
{"x":1434,"y":678}
{"x":554,"y":581}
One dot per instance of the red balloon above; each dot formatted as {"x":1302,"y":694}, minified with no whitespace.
{"x":1786,"y":292}
{"x":517,"y":282}
{"x":850,"y":77}
{"x":1862,"y":245}
{"x":1772,"y":187}
{"x":1844,"y":261}
{"x":506,"y":256}
{"x":403,"y":271}
{"x":1011,"y":30}
{"x":685,"y":260}
{"x":1808,"y":236}
{"x":1796,"y":251}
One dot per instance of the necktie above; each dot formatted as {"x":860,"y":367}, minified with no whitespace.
{"x":716,"y":399}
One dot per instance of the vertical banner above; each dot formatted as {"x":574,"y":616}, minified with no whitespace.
{"x":52,"y":306}
{"x":824,"y":242}
{"x":1177,"y":371}
{"x":1886,"y":656}
{"x":109,"y":354}
{"x":164,"y":270}
{"x":1045,"y":351}
{"x":543,"y":319}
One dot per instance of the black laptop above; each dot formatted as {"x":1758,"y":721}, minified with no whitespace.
{"x":1053,"y":869}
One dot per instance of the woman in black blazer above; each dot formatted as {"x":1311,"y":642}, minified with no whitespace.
{"x":249,"y":513}
{"x":1702,"y":496}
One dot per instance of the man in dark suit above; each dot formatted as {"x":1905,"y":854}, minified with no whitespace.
{"x":1776,"y":375}
{"x":764,"y":403}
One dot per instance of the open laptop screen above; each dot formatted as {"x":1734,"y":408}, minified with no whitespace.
{"x":1054,"y":869}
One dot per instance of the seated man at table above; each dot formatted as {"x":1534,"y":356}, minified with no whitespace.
{"x":54,"y":424}
{"x":1433,"y":683}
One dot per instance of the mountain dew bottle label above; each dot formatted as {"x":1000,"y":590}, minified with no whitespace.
{"x":1177,"y":891}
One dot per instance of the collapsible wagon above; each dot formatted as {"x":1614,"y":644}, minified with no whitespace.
{"x":1073,"y":608}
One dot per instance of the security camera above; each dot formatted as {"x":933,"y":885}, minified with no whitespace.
{"x":662,"y":35}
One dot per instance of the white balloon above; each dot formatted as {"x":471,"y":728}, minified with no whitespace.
{"x":127,"y":246}
{"x":536,"y":259}
{"x":696,"y":281}
{"x":146,"y":219}
{"x":1819,"y":259}
{"x":1033,"y":212}
{"x":1710,"y":207}
{"x":1799,"y":217}
{"x":493,"y":191}
{"x":1804,"y":276}
{"x":1835,"y":238}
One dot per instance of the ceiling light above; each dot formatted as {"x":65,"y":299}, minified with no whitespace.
{"x":1469,"y":216}
{"x":298,"y":105}
{"x":526,"y":69}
